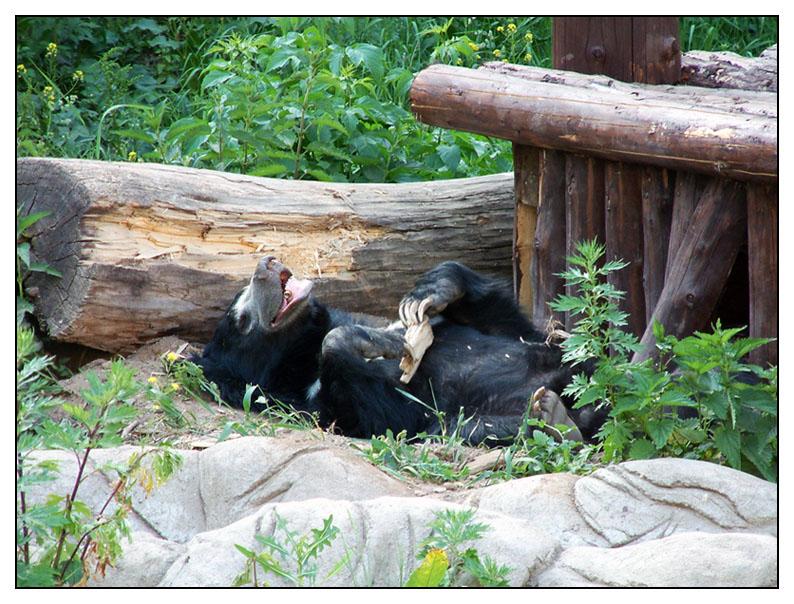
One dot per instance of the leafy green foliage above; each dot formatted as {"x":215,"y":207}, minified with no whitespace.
{"x":292,"y":557}
{"x":732,"y":419}
{"x":59,"y":540}
{"x":451,"y":531}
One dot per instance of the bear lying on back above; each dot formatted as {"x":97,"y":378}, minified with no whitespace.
{"x":486,"y":357}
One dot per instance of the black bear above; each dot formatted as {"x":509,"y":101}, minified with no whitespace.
{"x":486,"y":357}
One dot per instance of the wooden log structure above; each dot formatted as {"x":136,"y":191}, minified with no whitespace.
{"x":620,"y":123}
{"x":148,"y":250}
{"x":677,"y":179}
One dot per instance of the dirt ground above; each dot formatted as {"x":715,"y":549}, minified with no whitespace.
{"x":204,"y":421}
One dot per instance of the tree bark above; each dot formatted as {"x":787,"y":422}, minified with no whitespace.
{"x":149,"y":250}
{"x":729,"y":70}
{"x":608,"y":121}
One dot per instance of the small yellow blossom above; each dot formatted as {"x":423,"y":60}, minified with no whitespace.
{"x":527,"y":57}
{"x":473,"y":46}
{"x":497,"y":52}
{"x":156,"y":407}
{"x":21,"y":69}
{"x":78,"y":76}
{"x":171,"y":356}
{"x":152,"y":379}
{"x":175,"y":386}
{"x":52,"y":50}
{"x":528,"y":37}
{"x":460,"y":61}
{"x":511,"y":28}
{"x":132,"y":156}
{"x":500,"y":29}
{"x":504,"y":60}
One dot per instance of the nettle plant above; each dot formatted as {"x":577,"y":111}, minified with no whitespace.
{"x":700,"y":400}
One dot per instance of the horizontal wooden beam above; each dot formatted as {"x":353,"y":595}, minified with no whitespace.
{"x":635,"y":123}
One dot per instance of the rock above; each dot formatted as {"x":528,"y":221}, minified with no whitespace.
{"x":683,"y":560}
{"x":665,"y":522}
{"x":649,"y":499}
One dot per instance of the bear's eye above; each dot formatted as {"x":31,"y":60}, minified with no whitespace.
{"x":244,"y":322}
{"x":287,"y":295}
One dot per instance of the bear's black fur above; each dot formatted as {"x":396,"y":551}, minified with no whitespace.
{"x":486,"y":357}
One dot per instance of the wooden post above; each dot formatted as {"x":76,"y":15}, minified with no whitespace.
{"x":762,"y":248}
{"x":548,"y":259}
{"x":624,"y":238}
{"x":584,"y":205}
{"x":639,"y":49}
{"x":657,"y":215}
{"x":526,"y":162}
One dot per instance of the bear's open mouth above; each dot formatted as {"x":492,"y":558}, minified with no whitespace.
{"x":294,"y":292}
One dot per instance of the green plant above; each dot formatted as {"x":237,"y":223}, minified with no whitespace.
{"x":452,"y":530}
{"x":59,"y":540}
{"x":534,"y":451}
{"x":291,"y":557}
{"x":25,"y":266}
{"x":728,"y":419}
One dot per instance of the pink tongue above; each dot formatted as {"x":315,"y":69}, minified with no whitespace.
{"x":299,"y":289}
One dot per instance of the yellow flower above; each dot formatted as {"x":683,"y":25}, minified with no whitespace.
{"x":500,"y":29}
{"x":175,"y":386}
{"x":504,"y":61}
{"x":511,"y":28}
{"x":497,"y":52}
{"x":156,"y":407}
{"x":473,"y":46}
{"x":460,"y":61}
{"x":52,"y":50}
{"x":172,"y":356}
{"x":77,"y":76}
{"x":132,"y":156}
{"x":527,"y":57}
{"x":528,"y":37}
{"x":152,"y":379}
{"x":21,"y":69}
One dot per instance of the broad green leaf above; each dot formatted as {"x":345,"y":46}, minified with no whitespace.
{"x":729,"y":444}
{"x":758,"y":399}
{"x":642,"y":449}
{"x":660,"y":431}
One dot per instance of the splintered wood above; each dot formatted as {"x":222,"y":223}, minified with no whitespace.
{"x":418,"y":339}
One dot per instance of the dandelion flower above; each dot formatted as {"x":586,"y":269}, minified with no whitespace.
{"x":132,"y":156}
{"x":175,"y":386}
{"x":152,"y":379}
{"x":171,"y":356}
{"x":497,"y":53}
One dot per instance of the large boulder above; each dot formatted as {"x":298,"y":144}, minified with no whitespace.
{"x":667,"y":522}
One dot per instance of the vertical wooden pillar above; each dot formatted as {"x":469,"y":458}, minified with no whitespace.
{"x":526,"y":164}
{"x":548,"y":259}
{"x":624,"y":238}
{"x":657,"y":215}
{"x":610,"y":195}
{"x":762,"y":250}
{"x":584,"y":204}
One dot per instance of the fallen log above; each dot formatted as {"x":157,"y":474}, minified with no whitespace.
{"x":729,"y":70}
{"x":149,"y":250}
{"x":616,"y":122}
